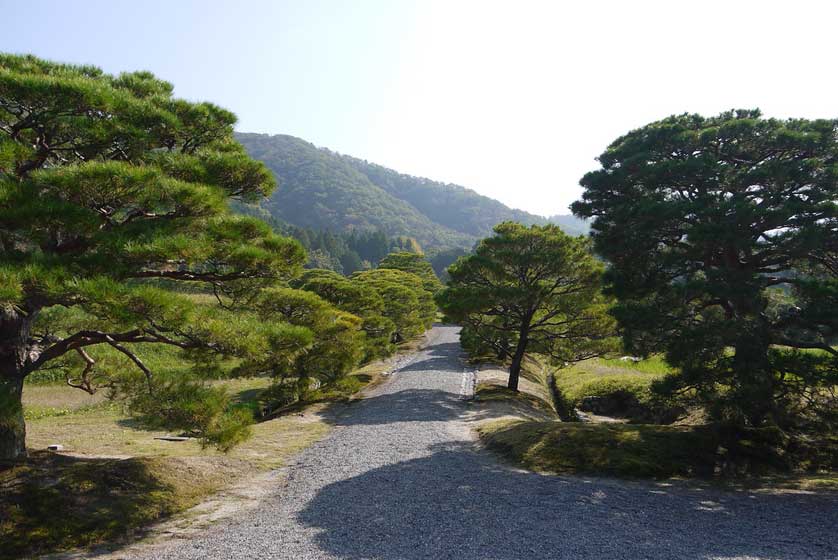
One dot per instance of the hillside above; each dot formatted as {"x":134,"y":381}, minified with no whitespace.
{"x":452,"y":206}
{"x":321,"y":189}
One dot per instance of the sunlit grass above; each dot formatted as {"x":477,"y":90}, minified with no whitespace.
{"x":655,"y":365}
{"x":525,"y":402}
{"x":118,"y":476}
{"x":624,"y":380}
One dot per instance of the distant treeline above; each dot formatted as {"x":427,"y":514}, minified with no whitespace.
{"x":348,"y":253}
{"x":343,"y":253}
{"x":364,"y":250}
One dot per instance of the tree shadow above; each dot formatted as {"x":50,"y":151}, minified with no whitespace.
{"x":459,"y":503}
{"x":411,"y":405}
{"x":246,"y":395}
{"x":445,"y":356}
{"x":54,"y":502}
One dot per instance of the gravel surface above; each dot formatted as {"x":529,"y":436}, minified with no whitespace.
{"x":401,"y":477}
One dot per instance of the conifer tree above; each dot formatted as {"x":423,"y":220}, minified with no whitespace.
{"x":108,"y":186}
{"x":530,"y":289}
{"x":414,"y":263}
{"x":703,"y":220}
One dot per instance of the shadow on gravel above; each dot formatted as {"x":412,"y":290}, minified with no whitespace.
{"x":442,"y":358}
{"x":411,"y":405}
{"x":459,"y":503}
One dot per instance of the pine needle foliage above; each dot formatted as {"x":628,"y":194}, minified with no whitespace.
{"x":111,"y":191}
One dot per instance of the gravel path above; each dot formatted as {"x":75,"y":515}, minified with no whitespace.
{"x":401,"y":478}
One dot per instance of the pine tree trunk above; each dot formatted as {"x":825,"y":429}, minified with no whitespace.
{"x":517,"y":359}
{"x":14,"y":352}
{"x":12,"y":425}
{"x":754,"y":390}
{"x":756,"y":384}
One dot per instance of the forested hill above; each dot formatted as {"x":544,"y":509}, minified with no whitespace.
{"x":321,"y":189}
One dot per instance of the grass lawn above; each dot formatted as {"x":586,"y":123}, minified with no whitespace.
{"x":623,"y":389}
{"x":627,"y":451}
{"x":521,"y":402}
{"x":530,"y":440}
{"x":55,"y":502}
{"x":114,"y":477}
{"x":599,"y":376}
{"x":623,"y":450}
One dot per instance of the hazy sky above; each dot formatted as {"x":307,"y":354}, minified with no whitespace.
{"x":513,"y":99}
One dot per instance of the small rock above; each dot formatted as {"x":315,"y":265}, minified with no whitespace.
{"x":55,"y":447}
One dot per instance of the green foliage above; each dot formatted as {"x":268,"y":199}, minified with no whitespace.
{"x":443,"y":259}
{"x":344,"y":253}
{"x":350,"y":262}
{"x":639,"y":387}
{"x":655,"y":364}
{"x":405,"y":244}
{"x":229,"y":429}
{"x":453,"y":206}
{"x":279,"y":395}
{"x":322,"y":190}
{"x":285,"y":393}
{"x":192,"y":407}
{"x":413,"y":263}
{"x":407,"y":304}
{"x":354,"y":297}
{"x":529,"y":289}
{"x":702,"y":220}
{"x":371,"y":246}
{"x":110,"y":186}
{"x":57,"y":501}
{"x":617,"y":391}
{"x":338,"y":346}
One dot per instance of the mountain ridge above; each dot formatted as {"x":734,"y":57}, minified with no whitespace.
{"x":323,"y":189}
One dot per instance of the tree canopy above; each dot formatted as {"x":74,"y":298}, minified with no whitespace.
{"x":359,"y":299}
{"x":110,"y":186}
{"x":415,"y":264}
{"x":407,"y":303}
{"x":117,"y":234}
{"x":530,"y":289}
{"x":705,"y":221}
{"x":338,"y":346}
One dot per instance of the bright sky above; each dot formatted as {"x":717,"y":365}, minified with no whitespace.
{"x":513,"y":99}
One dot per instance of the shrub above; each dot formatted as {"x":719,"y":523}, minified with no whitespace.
{"x":229,"y":429}
{"x":194,"y":408}
{"x":280,"y":394}
{"x":649,"y":451}
{"x":291,"y":391}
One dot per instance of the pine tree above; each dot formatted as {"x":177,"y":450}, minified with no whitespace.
{"x":530,"y":289}
{"x":701,"y":220}
{"x":108,"y":186}
{"x":415,"y":264}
